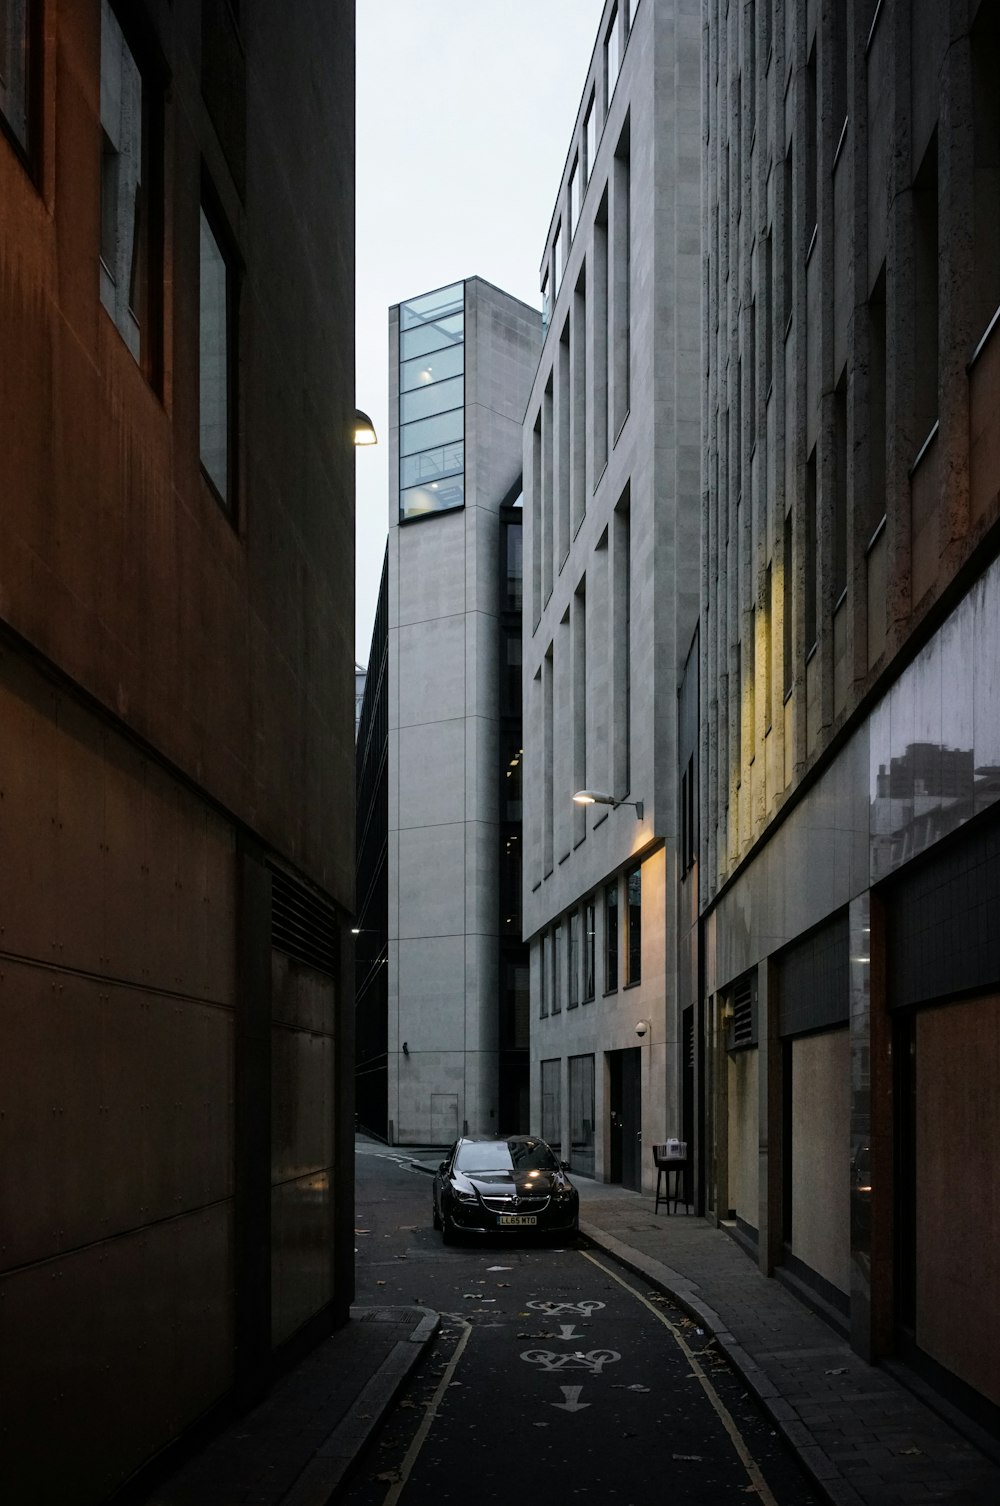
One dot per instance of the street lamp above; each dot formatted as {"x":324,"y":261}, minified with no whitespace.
{"x":598,"y":797}
{"x":364,"y":429}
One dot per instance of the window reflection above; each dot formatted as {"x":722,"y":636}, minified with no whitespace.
{"x":214,"y":364}
{"x":15,"y":79}
{"x":432,"y":403}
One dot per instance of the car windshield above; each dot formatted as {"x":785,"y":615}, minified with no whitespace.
{"x":506,"y":1155}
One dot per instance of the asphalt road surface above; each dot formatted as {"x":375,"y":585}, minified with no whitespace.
{"x":556,"y":1376}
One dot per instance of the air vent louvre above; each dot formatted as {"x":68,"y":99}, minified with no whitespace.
{"x":302,"y":925}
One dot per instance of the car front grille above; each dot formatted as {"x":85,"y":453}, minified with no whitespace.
{"x":516,"y":1205}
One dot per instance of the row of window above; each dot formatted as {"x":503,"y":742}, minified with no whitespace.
{"x":432,"y":403}
{"x":582,"y":1114}
{"x":130,"y":260}
{"x":569,"y":951}
{"x":586,"y":397}
{"x":615,"y":40}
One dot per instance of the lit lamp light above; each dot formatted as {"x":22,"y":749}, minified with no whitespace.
{"x":364,"y":429}
{"x":598,"y":797}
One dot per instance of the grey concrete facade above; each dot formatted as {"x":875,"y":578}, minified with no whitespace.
{"x":850,"y":718}
{"x":444,"y":772}
{"x":611,"y":468}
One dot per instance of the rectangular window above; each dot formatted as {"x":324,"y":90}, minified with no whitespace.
{"x":621,"y":731}
{"x":786,"y":607}
{"x":611,"y":937}
{"x":810,"y":621}
{"x":543,"y":976}
{"x":589,"y":946}
{"x":599,"y":400}
{"x":557,"y":260}
{"x":216,"y":366}
{"x":839,"y":73}
{"x":17,"y":19}
{"x":925,"y":294}
{"x":589,"y":140}
{"x":813,"y":126}
{"x":546,"y":302}
{"x":877,"y":435}
{"x":573,"y":960}
{"x":767,"y":288}
{"x":580,"y":701}
{"x":787,"y":248}
{"x":612,"y":59}
{"x":581,"y":1114}
{"x":621,"y":290}
{"x":557,"y":964}
{"x":129,"y":192}
{"x":552,"y":1103}
{"x":633,"y":926}
{"x":839,"y":531}
{"x":574,"y":199}
{"x":513,"y":575}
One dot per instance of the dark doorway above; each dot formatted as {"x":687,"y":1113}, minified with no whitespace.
{"x":687,"y":1099}
{"x":626,"y":1117}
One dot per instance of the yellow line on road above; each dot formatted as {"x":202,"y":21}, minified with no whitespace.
{"x":725,"y":1416}
{"x":420,"y":1437}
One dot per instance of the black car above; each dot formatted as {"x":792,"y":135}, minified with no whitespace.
{"x":515,"y":1186}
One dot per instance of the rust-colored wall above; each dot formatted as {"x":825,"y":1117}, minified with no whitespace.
{"x":230,"y":650}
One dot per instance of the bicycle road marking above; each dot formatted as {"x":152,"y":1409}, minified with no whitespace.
{"x":722,"y":1411}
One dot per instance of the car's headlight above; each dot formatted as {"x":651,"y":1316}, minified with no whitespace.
{"x":563,"y":1194}
{"x":465,"y":1194}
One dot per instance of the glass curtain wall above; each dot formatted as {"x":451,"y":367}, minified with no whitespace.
{"x":432,"y":403}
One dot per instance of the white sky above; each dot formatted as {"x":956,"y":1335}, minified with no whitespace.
{"x":465,"y":109}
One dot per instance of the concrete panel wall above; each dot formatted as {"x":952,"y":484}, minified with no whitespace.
{"x":744,"y":1118}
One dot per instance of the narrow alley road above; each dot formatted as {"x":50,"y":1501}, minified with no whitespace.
{"x":555,"y":1376}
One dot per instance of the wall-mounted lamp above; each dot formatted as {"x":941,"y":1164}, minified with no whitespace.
{"x":406,"y":1048}
{"x":598,"y":797}
{"x":364,"y":429}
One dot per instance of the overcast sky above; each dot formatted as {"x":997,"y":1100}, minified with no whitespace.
{"x":465,"y":109}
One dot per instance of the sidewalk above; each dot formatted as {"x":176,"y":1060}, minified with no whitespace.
{"x":863,"y":1437}
{"x":295,"y":1448}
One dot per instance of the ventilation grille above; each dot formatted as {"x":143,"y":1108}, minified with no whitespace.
{"x":302,"y":925}
{"x":742,"y":1030}
{"x":689,"y":1038}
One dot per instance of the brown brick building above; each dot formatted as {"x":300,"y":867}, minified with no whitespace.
{"x":176,"y":733}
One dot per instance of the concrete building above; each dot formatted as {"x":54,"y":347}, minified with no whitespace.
{"x":461,"y":362}
{"x":849,"y":791}
{"x":176,"y":753}
{"x":371,"y":924}
{"x":612,"y":516}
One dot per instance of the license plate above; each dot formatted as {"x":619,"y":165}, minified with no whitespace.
{"x":521,"y":1219}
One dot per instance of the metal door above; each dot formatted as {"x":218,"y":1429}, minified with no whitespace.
{"x":626,"y":1116}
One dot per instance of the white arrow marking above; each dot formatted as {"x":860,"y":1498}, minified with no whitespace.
{"x":568,"y":1331}
{"x":572,"y":1402}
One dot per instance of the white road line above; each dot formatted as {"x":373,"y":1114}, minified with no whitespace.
{"x":725,"y":1416}
{"x":572,"y":1402}
{"x":420,"y":1437}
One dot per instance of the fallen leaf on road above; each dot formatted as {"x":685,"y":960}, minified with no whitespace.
{"x":841,"y":1371}
{"x":912,"y":1451}
{"x":503,"y":1268}
{"x":688,"y":1458}
{"x":389,"y":1475}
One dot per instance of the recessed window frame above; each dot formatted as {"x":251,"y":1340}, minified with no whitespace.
{"x":633,"y":926}
{"x":140,"y":320}
{"x":211,"y":215}
{"x":26,"y":147}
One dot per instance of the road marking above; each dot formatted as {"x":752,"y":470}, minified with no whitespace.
{"x":567,"y":1331}
{"x":420,"y":1437}
{"x":572,"y":1402}
{"x":722,"y":1411}
{"x":594,"y":1360}
{"x":553,"y":1309}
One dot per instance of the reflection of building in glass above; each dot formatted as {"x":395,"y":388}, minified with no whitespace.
{"x":456,"y":1036}
{"x":849,"y":850}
